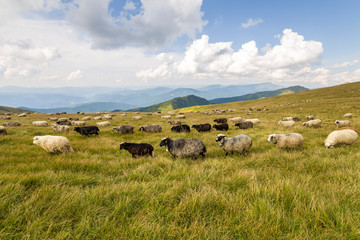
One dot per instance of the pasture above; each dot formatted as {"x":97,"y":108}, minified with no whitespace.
{"x":100,"y":192}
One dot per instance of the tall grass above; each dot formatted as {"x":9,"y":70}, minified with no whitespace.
{"x":100,"y":192}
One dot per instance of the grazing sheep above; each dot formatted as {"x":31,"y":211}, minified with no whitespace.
{"x":124,"y":129}
{"x":287,"y":123}
{"x":66,"y":122}
{"x":175,"y":122}
{"x":220,"y":120}
{"x":151,"y":128}
{"x":206,"y":127}
{"x":342,"y":123}
{"x":236,"y":119}
{"x":62,"y":119}
{"x":244,"y":125}
{"x":181,"y":128}
{"x":87,"y":130}
{"x":310,"y":117}
{"x":345,"y":136}
{"x":3,"y":130}
{"x":180,"y":116}
{"x":288,"y":119}
{"x":221,"y":127}
{"x":78,"y":123}
{"x":53,"y":144}
{"x":87,"y":118}
{"x":255,"y":121}
{"x":347,"y":115}
{"x":80,"y":113}
{"x":166,"y":117}
{"x":22,"y":115}
{"x":53,"y":119}
{"x":240,"y":143}
{"x":290,"y":140}
{"x":60,"y":129}
{"x":316,"y":123}
{"x":124,"y":115}
{"x":5,"y":117}
{"x":74,"y":119}
{"x":97,"y":118}
{"x":103,"y":124}
{"x":188,"y":147}
{"x":140,"y":149}
{"x":12,"y":124}
{"x":297,"y":119}
{"x":107,"y":117}
{"x":40,"y":123}
{"x":137,"y":118}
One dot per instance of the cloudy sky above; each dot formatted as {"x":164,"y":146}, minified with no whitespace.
{"x":178,"y":42}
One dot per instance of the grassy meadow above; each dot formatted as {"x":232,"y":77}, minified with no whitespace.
{"x":100,"y":192}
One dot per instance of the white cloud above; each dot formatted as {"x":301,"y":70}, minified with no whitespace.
{"x":251,"y":22}
{"x":345,"y":64}
{"x":77,"y":75}
{"x":129,"y":6}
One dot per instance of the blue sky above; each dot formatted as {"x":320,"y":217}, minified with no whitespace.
{"x":178,"y":42}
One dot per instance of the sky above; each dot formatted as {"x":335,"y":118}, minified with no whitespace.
{"x":119,"y":43}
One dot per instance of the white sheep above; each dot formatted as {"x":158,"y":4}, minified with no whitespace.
{"x":310,"y":117}
{"x":166,"y":117}
{"x":103,"y":124}
{"x":62,"y":119}
{"x":40,"y":123}
{"x":107,"y":116}
{"x":287,"y":119}
{"x":137,"y":118}
{"x":97,"y":118}
{"x":236,"y":119}
{"x":345,"y":136}
{"x":60,"y":128}
{"x":53,"y":144}
{"x":240,"y":143}
{"x":342,"y":123}
{"x":316,"y":123}
{"x":347,"y":115}
{"x":255,"y":121}
{"x":22,"y":115}
{"x":78,"y":123}
{"x":180,"y":116}
{"x":3,"y":130}
{"x":287,"y":123}
{"x":87,"y":118}
{"x":290,"y":140}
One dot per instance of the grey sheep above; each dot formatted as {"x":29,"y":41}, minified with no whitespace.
{"x":60,"y":128}
{"x":345,"y":136}
{"x":188,"y":147}
{"x":240,"y":143}
{"x":124,"y":129}
{"x":175,"y":122}
{"x":12,"y":124}
{"x":290,"y":140}
{"x":244,"y":125}
{"x":3,"y":130}
{"x":151,"y":128}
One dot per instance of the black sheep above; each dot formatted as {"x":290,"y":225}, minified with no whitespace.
{"x":66,"y":122}
{"x":202,"y":127}
{"x":220,"y":120}
{"x":221,"y":127}
{"x":296,"y":119}
{"x":180,"y":128}
{"x":140,"y":149}
{"x":244,"y":125}
{"x":87,"y":130}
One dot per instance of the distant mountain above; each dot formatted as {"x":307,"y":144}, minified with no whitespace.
{"x":4,"y":109}
{"x":258,"y":95}
{"x":87,"y":107}
{"x":179,"y":102}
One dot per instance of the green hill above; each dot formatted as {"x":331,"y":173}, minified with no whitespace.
{"x":252,"y":96}
{"x":4,"y":109}
{"x":176,"y":103}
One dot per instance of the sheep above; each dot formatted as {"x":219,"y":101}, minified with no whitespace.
{"x":66,"y":122}
{"x":87,"y":130}
{"x":221,"y":127}
{"x":53,"y":144}
{"x":310,"y":117}
{"x":347,"y":115}
{"x":287,"y":123}
{"x":181,"y":128}
{"x":22,"y":115}
{"x":78,"y":123}
{"x":140,"y":149}
{"x":296,"y":119}
{"x":220,"y":120}
{"x":345,"y":136}
{"x":40,"y":123}
{"x":124,"y":129}
{"x":97,"y":118}
{"x":137,"y":118}
{"x":3,"y":130}
{"x":288,"y":119}
{"x":202,"y":127}
{"x":74,"y":119}
{"x":166,"y":117}
{"x":87,"y":118}
{"x":12,"y":124}
{"x":107,"y":117}
{"x":244,"y":125}
{"x":103,"y":124}
{"x":60,"y":129}
{"x":342,"y":123}
{"x":188,"y":147}
{"x":316,"y":123}
{"x":5,"y":117}
{"x":151,"y":128}
{"x":240,"y":143}
{"x":53,"y":119}
{"x":290,"y":140}
{"x":236,"y":119}
{"x":180,"y":116}
{"x":255,"y":121}
{"x":62,"y":119}
{"x":175,"y":122}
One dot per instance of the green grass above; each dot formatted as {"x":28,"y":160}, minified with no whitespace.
{"x":100,"y":192}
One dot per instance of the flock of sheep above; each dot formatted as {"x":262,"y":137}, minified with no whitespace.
{"x":189,"y":147}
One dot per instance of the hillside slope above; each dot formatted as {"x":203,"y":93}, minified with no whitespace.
{"x":4,"y":109}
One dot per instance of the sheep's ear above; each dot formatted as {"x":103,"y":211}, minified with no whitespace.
{"x":274,"y":139}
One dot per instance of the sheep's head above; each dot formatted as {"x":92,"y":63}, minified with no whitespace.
{"x":36,"y":140}
{"x":337,"y":122}
{"x":165,"y":141}
{"x":53,"y":125}
{"x":141,"y":128}
{"x":272,"y":137}
{"x":305,"y":123}
{"x":122,"y":145}
{"x":328,"y":145}
{"x":220,"y":138}
{"x":279,"y":122}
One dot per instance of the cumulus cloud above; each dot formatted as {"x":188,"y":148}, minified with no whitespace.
{"x":251,"y":22}
{"x":77,"y":75}
{"x":345,"y":64}
{"x":150,"y":25}
{"x":292,"y":58}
